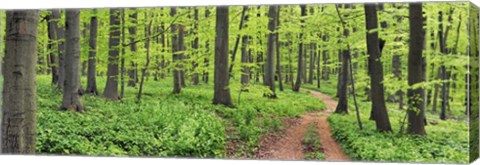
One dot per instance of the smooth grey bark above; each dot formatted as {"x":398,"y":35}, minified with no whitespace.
{"x":270,"y":60}
{"x":61,"y":49}
{"x":19,"y":92}
{"x":92,"y":59}
{"x":342,"y":106}
{"x":132,"y":30}
{"x":177,"y":86}
{"x":111,"y":88}
{"x":300,"y":63}
{"x":416,"y":71}
{"x":221,"y":93}
{"x":379,"y":108}
{"x":52,"y":26}
{"x":72,"y":89}
{"x":195,"y":78}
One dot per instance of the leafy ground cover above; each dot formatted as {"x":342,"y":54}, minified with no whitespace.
{"x":162,"y":124}
{"x":312,"y":144}
{"x":446,"y":141}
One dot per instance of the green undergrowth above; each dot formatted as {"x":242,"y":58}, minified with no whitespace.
{"x":162,"y":124}
{"x":446,"y":141}
{"x":312,"y":145}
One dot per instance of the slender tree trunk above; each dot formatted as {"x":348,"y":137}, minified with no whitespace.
{"x":61,"y":49}
{"x":195,"y":78}
{"x":177,"y":86}
{"x":144,"y":70}
{"x":111,"y":88}
{"x":342,"y":106}
{"x":277,"y":51}
{"x":221,"y":93}
{"x":245,"y":78}
{"x":92,"y":61}
{"x":416,"y":72}
{"x":52,"y":26}
{"x":237,"y":40}
{"x":374,"y":60}
{"x":122,"y":61}
{"x":300,"y":54}
{"x":18,"y":123}
{"x":132,"y":30}
{"x":311,"y":68}
{"x":207,"y":51}
{"x":270,"y":61}
{"x":72,"y":94}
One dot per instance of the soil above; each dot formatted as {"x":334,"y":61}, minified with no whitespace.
{"x":287,"y":144}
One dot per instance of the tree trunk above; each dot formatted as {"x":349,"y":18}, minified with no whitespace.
{"x":416,"y":72}
{"x":311,"y":68}
{"x":245,"y":78}
{"x":207,"y":51}
{"x":270,"y":61}
{"x":221,"y":93}
{"x":52,"y":26}
{"x":177,"y":86}
{"x":72,"y":94}
{"x":132,"y":30}
{"x":122,"y":59}
{"x":144,"y":70}
{"x":342,"y":106}
{"x":277,"y":51}
{"x":92,"y":61}
{"x":61,"y":49}
{"x":195,"y":78}
{"x":374,"y":60}
{"x":300,"y":52}
{"x":237,"y":40}
{"x":18,"y":123}
{"x":111,"y":88}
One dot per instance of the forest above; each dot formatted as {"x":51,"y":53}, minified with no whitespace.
{"x":393,"y":82}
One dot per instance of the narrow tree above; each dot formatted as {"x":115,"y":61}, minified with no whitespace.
{"x":18,"y":119}
{"x":195,"y":78}
{"x":177,"y":86}
{"x":132,"y":30}
{"x":375,"y":64}
{"x":72,"y":90}
{"x":52,"y":26}
{"x":342,"y":106}
{"x":270,"y":61}
{"x":111,"y":88}
{"x":416,"y":71}
{"x":300,"y":63}
{"x":61,"y":49}
{"x":91,"y":71}
{"x":221,"y":93}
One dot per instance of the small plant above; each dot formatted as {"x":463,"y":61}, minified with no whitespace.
{"x":312,"y":146}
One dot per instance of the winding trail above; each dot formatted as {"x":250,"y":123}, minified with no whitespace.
{"x":288,"y":144}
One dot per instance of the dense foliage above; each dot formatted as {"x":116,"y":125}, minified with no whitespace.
{"x":163,"y":124}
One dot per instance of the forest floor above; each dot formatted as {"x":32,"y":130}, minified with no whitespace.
{"x":287,"y":145}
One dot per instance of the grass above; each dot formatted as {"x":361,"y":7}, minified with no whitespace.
{"x":446,"y":141}
{"x":312,"y":144}
{"x":163,"y":124}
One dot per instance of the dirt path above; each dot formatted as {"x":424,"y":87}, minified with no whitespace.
{"x":288,"y":144}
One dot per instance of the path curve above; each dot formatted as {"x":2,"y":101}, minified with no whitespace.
{"x":288,"y":144}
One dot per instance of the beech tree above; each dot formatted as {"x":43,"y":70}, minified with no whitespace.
{"x":416,"y":71}
{"x":221,"y":93}
{"x":19,"y":91}
{"x":111,"y":88}
{"x":91,"y":72}
{"x":376,"y":69}
{"x":72,"y":89}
